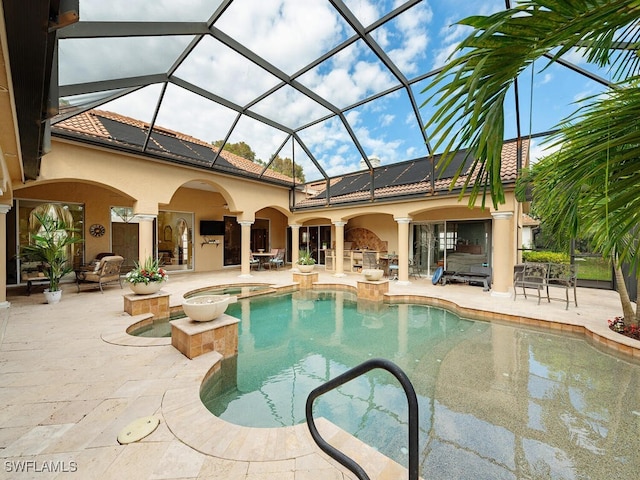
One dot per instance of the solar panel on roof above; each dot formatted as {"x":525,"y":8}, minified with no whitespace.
{"x":123,"y":132}
{"x":351,"y":184}
{"x":173,"y":145}
{"x":451,"y":169}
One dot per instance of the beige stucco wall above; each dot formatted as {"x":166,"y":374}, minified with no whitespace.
{"x":101,"y":178}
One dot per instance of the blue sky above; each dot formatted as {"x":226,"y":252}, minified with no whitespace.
{"x":289,"y":34}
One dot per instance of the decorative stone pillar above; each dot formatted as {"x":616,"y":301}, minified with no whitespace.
{"x":305,"y":280}
{"x":295,"y":235}
{"x":502,"y":271}
{"x":4,"y":305}
{"x":245,"y":249}
{"x":372,"y":290}
{"x":339,"y":248}
{"x":403,"y":250}
{"x":145,"y":235}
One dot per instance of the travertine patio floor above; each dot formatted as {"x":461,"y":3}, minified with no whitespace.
{"x":68,"y":387}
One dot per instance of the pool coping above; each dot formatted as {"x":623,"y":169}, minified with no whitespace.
{"x":182,"y":408}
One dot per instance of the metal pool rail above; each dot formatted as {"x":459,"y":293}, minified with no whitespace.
{"x":347,"y":376}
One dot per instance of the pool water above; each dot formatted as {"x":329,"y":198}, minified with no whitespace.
{"x":496,"y":401}
{"x":161,"y":328}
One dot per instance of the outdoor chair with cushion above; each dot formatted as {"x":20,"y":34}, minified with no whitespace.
{"x":106,"y":271}
{"x":278,"y":260}
{"x":253,"y":262}
{"x":393,"y":267}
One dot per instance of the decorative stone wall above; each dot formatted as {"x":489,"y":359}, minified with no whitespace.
{"x":193,"y":339}
{"x":306,"y":280}
{"x":155,"y":303}
{"x":362,"y":238}
{"x":372,"y":290}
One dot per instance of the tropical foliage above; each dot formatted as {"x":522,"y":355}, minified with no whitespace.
{"x":278,"y":164}
{"x":147,"y":272}
{"x":590,"y":185}
{"x":51,"y":247}
{"x":305,"y":258}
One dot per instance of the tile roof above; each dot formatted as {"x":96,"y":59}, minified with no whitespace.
{"x":119,"y":130}
{"x":528,"y":221}
{"x":411,"y":178}
{"x":399,"y":180}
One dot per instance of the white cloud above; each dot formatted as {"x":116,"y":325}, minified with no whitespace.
{"x":452,"y":35}
{"x":538,"y":151}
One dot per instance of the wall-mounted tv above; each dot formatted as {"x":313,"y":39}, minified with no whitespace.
{"x":211,"y":227}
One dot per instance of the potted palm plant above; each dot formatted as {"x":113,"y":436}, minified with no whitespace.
{"x":305,"y":261}
{"x":50,"y":246}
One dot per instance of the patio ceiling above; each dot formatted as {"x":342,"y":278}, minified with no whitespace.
{"x":335,"y":85}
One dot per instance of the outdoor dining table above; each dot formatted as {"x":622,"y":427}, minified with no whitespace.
{"x":263,"y":257}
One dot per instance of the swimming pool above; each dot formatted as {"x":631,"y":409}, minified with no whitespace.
{"x":496,"y":400}
{"x":161,"y":328}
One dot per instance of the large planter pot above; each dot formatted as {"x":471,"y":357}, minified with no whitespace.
{"x":204,"y":308}
{"x":306,"y":268}
{"x":145,"y":288}
{"x":53,"y":297}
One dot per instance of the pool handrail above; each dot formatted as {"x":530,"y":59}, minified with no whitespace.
{"x":347,"y":376}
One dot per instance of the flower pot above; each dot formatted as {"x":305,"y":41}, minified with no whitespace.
{"x":372,"y":274}
{"x":53,"y":297}
{"x":145,"y":288}
{"x":204,"y":308}
{"x":305,"y":268}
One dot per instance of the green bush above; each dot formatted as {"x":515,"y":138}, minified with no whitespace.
{"x":543,"y":256}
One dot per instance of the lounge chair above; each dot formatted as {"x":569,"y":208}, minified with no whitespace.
{"x":475,"y":275}
{"x":106,"y":271}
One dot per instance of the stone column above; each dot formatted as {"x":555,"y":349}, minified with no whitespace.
{"x":339,"y":248}
{"x":245,"y":249}
{"x":4,"y":305}
{"x":403,"y":250}
{"x":145,"y":235}
{"x":502,"y":270}
{"x":295,"y":236}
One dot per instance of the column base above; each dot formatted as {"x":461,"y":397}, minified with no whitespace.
{"x":500,"y":294}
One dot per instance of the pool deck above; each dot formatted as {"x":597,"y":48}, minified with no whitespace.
{"x":71,"y":380}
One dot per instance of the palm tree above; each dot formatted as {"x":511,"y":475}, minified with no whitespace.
{"x":599,"y":144}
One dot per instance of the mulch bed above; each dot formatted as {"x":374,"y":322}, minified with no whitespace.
{"x":618,"y":326}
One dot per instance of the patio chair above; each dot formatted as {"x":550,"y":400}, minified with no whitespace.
{"x":106,"y":271}
{"x":393,"y":267}
{"x":414,"y":268}
{"x":278,"y":260}
{"x":329,"y":259}
{"x":369,"y":260}
{"x":254,"y":263}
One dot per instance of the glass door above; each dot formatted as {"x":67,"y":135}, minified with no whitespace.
{"x":429,"y":246}
{"x":315,"y":239}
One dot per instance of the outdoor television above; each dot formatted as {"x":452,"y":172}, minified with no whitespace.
{"x":211,"y":227}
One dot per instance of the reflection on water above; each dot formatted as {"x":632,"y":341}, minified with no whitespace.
{"x":496,"y":401}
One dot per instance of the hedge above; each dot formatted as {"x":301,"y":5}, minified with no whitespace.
{"x":544,"y":256}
